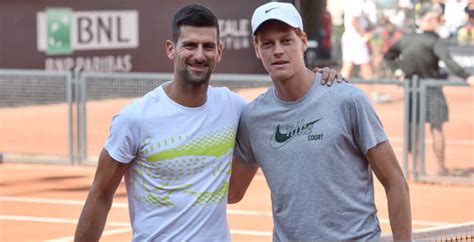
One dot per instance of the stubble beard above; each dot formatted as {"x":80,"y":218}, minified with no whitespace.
{"x":197,"y":80}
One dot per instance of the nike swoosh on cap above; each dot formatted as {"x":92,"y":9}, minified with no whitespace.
{"x":270,"y":9}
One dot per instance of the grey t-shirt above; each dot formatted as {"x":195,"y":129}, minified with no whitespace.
{"x":312,"y":153}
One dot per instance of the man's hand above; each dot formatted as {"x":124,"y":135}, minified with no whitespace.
{"x":329,"y":75}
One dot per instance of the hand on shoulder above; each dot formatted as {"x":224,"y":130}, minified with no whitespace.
{"x":329,"y":75}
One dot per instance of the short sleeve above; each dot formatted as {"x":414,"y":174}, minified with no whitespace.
{"x":124,"y":138}
{"x":366,"y":126}
{"x":239,"y":102}
{"x":243,"y":149}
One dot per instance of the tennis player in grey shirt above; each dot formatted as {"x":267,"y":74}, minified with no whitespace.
{"x":317,"y":159}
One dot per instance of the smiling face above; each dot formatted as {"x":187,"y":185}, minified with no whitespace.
{"x":281,"y":48}
{"x":195,"y":54}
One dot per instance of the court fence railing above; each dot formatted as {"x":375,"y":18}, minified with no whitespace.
{"x":426,"y":88}
{"x":20,"y":88}
{"x":81,"y":88}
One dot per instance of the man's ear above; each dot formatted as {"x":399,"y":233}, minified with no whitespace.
{"x":304,"y":39}
{"x":169,"y":49}
{"x":220,"y":51}
{"x":255,"y":44}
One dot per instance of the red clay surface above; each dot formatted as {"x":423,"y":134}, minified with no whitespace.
{"x":43,"y":202}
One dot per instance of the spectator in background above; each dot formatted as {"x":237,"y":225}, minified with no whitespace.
{"x":418,"y":54}
{"x":336,"y":8}
{"x":454,"y":16}
{"x":360,"y":18}
{"x":465,"y":34}
{"x":324,"y":41}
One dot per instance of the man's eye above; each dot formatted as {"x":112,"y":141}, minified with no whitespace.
{"x":188,"y":47}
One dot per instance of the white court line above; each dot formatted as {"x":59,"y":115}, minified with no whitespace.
{"x":115,"y":204}
{"x":251,"y":232}
{"x":128,"y":229}
{"x":110,"y":223}
{"x":229,"y":211}
{"x":248,"y":212}
{"x":55,"y":220}
{"x":105,"y":233}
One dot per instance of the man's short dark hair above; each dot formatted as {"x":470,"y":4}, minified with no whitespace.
{"x":194,"y":15}
{"x":427,"y":8}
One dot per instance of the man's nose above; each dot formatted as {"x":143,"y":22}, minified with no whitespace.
{"x":199,"y":54}
{"x":278,"y":49}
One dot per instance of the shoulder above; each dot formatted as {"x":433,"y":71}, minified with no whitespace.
{"x":261,"y":100}
{"x":226,"y":96}
{"x":431,"y":37}
{"x":133,"y":110}
{"x":344,"y":96}
{"x":343,"y":91}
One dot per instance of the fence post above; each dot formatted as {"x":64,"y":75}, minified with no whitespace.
{"x":422,"y":127}
{"x":413,"y":124}
{"x":77,"y":100}
{"x":83,"y":119}
{"x":70,"y":87}
{"x":406,"y":129}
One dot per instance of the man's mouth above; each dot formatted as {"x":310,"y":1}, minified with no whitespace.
{"x":279,"y":63}
{"x":198,"y":67}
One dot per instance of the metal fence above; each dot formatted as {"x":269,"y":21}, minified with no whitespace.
{"x":457,"y":134}
{"x":119,"y":89}
{"x":23,"y":134}
{"x":87,"y":103}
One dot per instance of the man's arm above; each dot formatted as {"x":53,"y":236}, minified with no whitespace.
{"x":391,"y":56}
{"x":441,"y":50}
{"x":385,"y":166}
{"x":366,"y":35}
{"x":108,"y":175}
{"x":240,"y":179}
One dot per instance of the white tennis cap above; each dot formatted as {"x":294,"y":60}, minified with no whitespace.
{"x":284,"y":12}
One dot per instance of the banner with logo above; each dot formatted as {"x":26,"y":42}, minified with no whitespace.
{"x":114,"y":36}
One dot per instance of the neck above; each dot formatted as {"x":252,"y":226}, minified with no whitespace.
{"x":187,"y":95}
{"x":295,"y":87}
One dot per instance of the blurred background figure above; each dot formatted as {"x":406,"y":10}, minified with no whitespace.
{"x":465,"y":34}
{"x":419,"y":54}
{"x":323,"y":51}
{"x":454,"y":17}
{"x":361,"y":42}
{"x":359,"y":19}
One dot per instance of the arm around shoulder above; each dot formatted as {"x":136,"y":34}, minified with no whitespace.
{"x":384,"y":163}
{"x":108,"y":175}
{"x":240,"y":179}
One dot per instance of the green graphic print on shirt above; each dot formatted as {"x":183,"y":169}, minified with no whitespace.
{"x":194,"y":157}
{"x":211,"y":197}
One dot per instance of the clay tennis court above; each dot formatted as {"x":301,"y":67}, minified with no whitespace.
{"x":41,"y":202}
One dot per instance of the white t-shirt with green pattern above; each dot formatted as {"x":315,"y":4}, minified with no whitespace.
{"x":181,"y":157}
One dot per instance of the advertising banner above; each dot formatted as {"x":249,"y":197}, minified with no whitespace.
{"x":114,"y":36}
